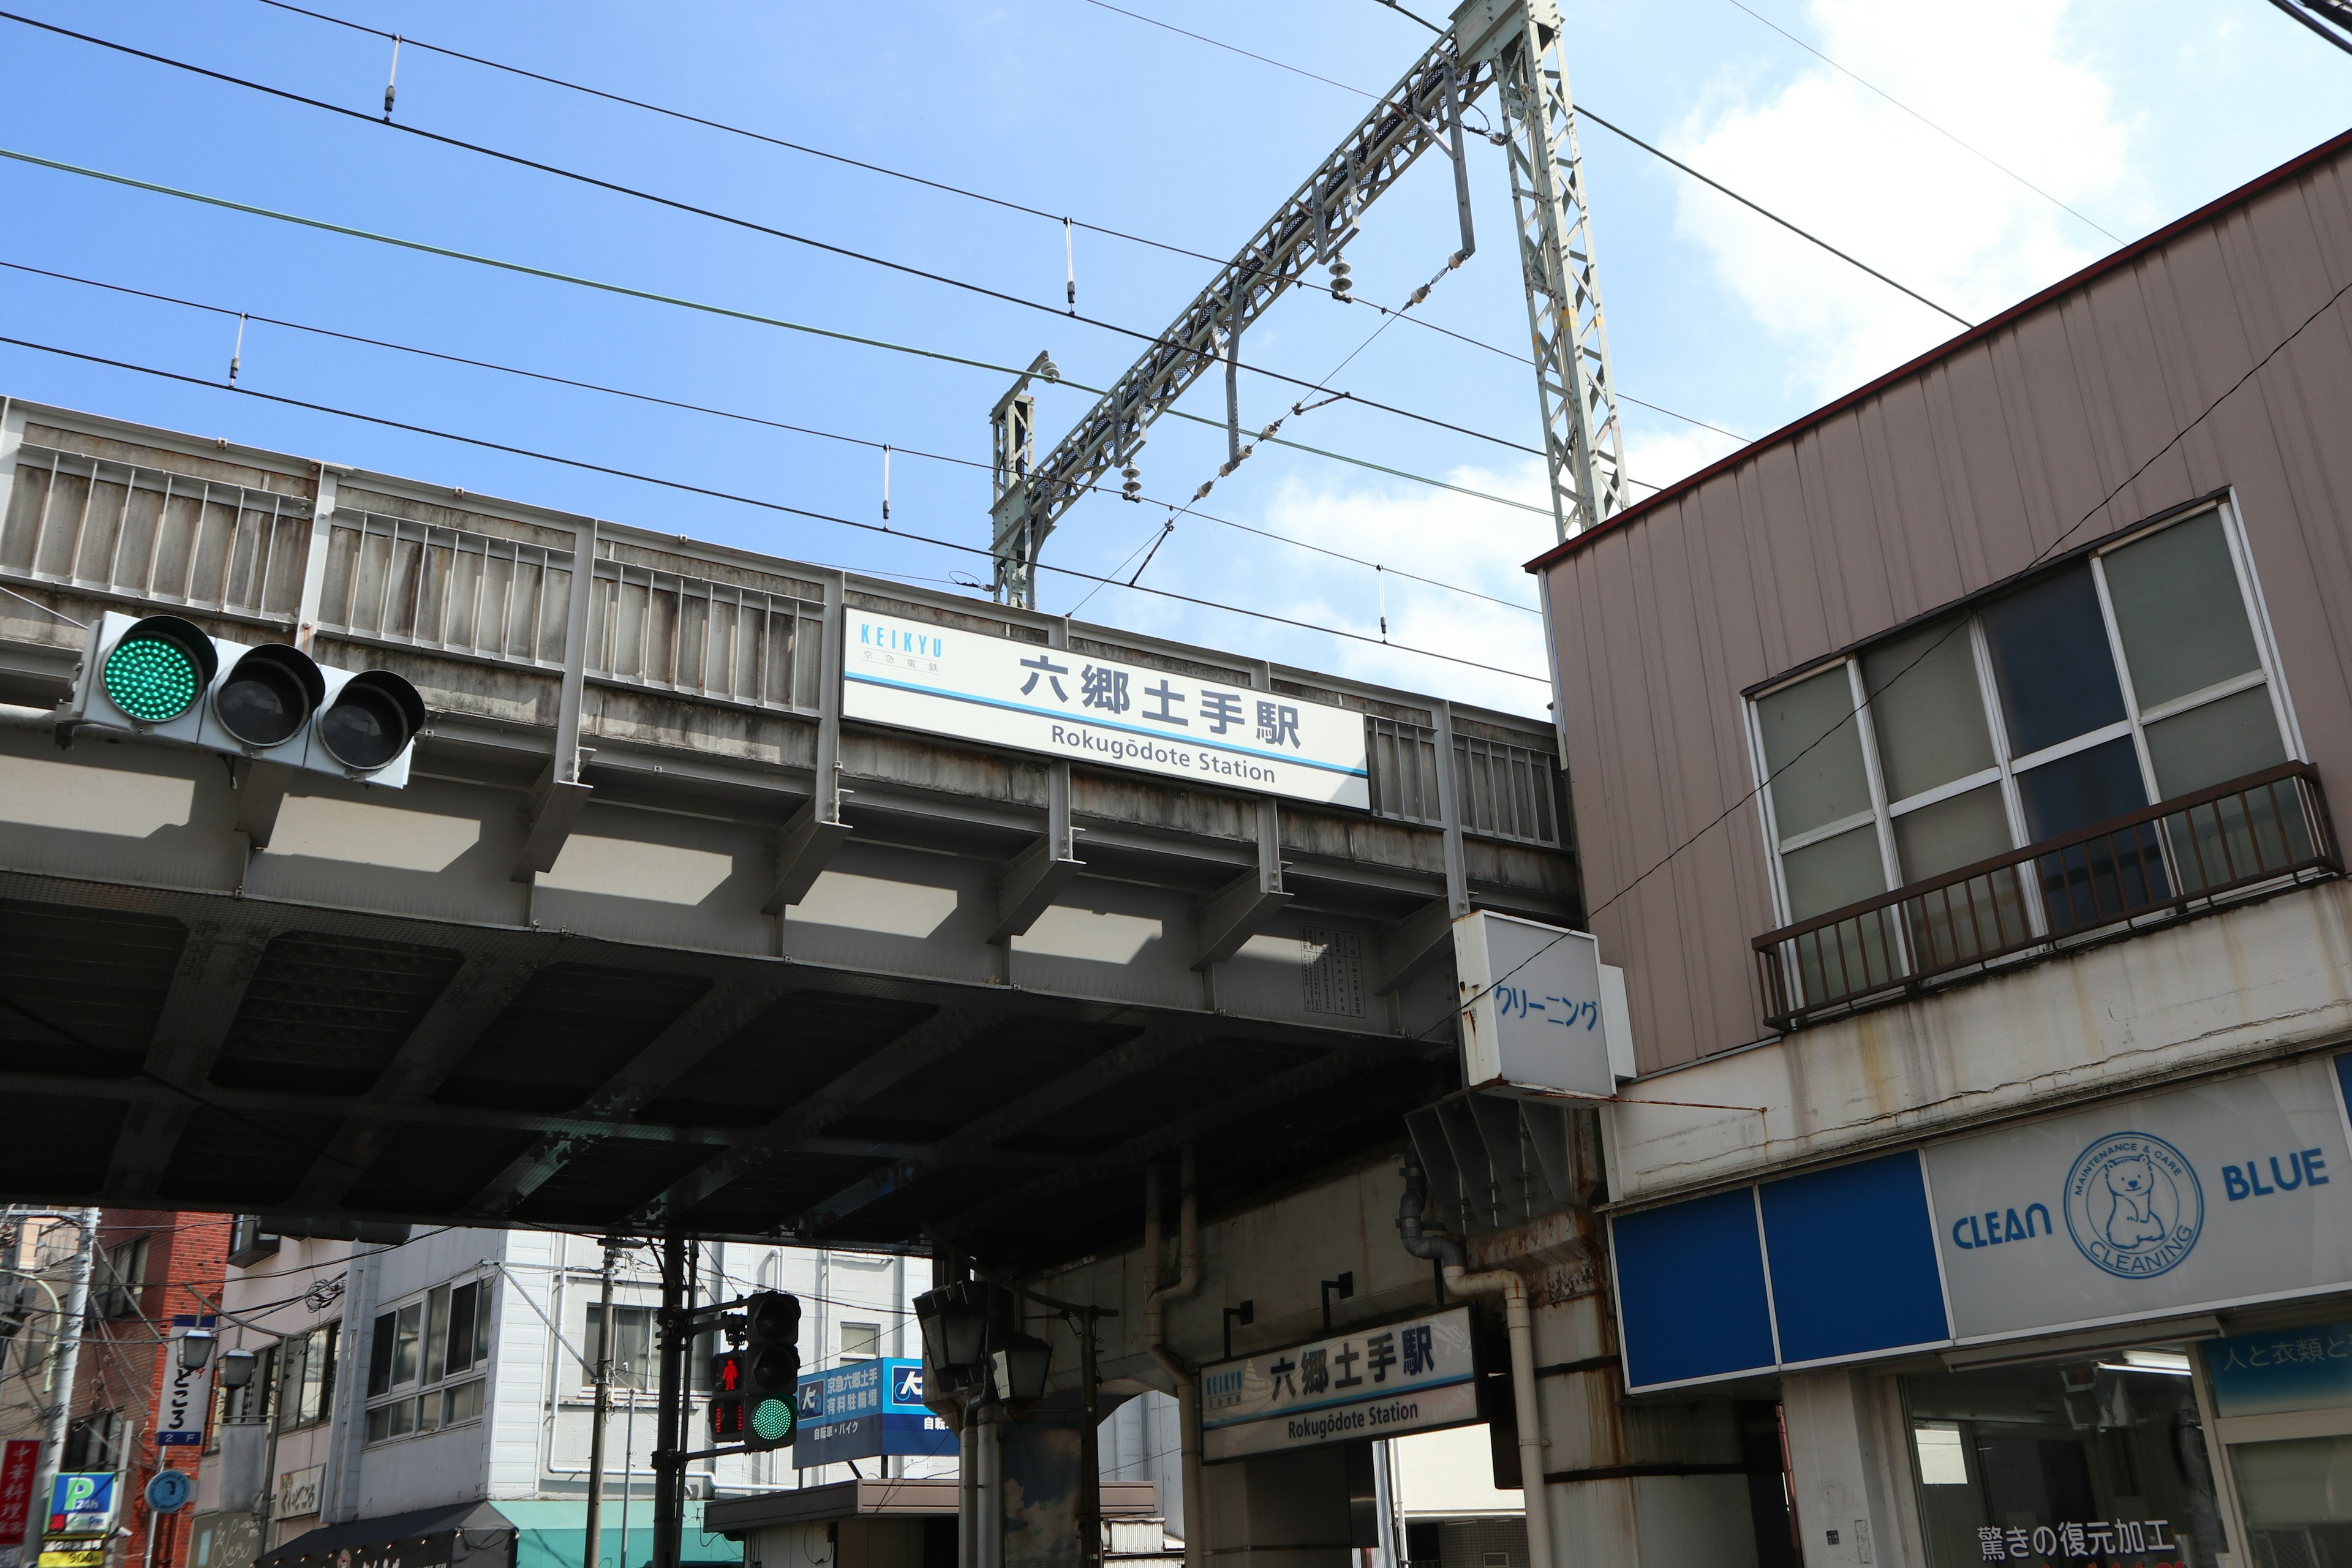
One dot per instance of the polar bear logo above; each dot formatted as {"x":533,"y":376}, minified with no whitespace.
{"x":2131,"y":1217}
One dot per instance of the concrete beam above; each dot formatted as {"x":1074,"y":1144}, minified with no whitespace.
{"x":803,"y":850}
{"x":938,"y":1036}
{"x":1411,"y":945}
{"x":201,"y":1004}
{"x":1242,"y":907}
{"x":979,"y":1138}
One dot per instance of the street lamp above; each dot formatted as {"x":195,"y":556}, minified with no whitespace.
{"x":955,"y":1332}
{"x":235,"y":1367}
{"x":196,"y":1349}
{"x":1018,"y":1366}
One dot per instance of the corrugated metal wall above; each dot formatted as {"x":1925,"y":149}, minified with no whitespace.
{"x":1948,"y":479}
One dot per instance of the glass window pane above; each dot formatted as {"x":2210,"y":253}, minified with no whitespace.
{"x":2293,"y":1491}
{"x":436,"y":1331}
{"x":461,"y":1328}
{"x":1812,"y":750}
{"x":380,"y":1356}
{"x":482,"y":1297}
{"x":404,"y":1343}
{"x":2225,"y":740}
{"x":2177,"y":606}
{"x":860,"y":1341}
{"x":1833,"y":873}
{"x":379,"y":1424}
{"x":2074,"y":792}
{"x":2051,"y":659}
{"x":401,"y":1419}
{"x":1928,"y":709}
{"x":1956,"y":832}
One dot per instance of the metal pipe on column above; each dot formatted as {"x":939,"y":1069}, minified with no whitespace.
{"x":1155,"y":1338}
{"x":991,"y":1544}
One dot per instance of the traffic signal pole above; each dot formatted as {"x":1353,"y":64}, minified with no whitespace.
{"x":670,"y":1457}
{"x":603,"y":1371}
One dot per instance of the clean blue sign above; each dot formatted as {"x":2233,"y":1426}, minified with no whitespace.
{"x":865,"y":1409}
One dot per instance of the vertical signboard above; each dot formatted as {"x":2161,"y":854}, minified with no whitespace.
{"x":187,"y":1396}
{"x":18,"y":1461}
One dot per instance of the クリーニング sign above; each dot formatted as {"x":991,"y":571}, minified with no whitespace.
{"x":944,"y":680}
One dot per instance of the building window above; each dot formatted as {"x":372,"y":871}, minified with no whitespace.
{"x":633,"y":1346}
{"x":2103,"y":1459}
{"x":422,"y":1358}
{"x":2132,"y":676}
{"x":307,"y":1394}
{"x":121,"y":1282}
{"x":861,"y":1342}
{"x":94,"y":1442}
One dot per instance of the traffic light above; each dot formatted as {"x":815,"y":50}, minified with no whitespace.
{"x":166,"y":677}
{"x":770,"y":1362}
{"x":726,"y":1423}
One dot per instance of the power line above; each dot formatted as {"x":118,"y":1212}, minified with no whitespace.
{"x":753,"y":226}
{"x":727,"y":310}
{"x":888,"y":171}
{"x":684,"y":486}
{"x":2301,"y":15}
{"x":1922,"y":120}
{"x":714,"y":413}
{"x":1587,"y":113}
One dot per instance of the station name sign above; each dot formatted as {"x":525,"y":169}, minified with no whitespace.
{"x":1383,"y":1381}
{"x":944,"y":680}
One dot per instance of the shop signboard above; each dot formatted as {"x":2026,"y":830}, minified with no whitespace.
{"x":946,"y":680}
{"x":1540,"y":1010}
{"x":187,"y":1393}
{"x":18,"y":1459}
{"x":865,"y":1409}
{"x":2226,"y":1191}
{"x":2271,"y":1374}
{"x":81,"y":1502}
{"x":1382,"y":1382}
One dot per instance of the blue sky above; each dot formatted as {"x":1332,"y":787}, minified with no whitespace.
{"x":2128,"y":114}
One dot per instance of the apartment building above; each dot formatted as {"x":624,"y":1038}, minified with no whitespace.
{"x":1952,"y":772}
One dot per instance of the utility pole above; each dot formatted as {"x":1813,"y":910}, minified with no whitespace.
{"x":670,"y":1421}
{"x":66,"y":1350}
{"x":604,"y":1371}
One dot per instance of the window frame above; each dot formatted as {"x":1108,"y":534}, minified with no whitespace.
{"x":428,"y":1393}
{"x":2007,"y":767}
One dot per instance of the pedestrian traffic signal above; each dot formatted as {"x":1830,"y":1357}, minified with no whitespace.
{"x":165,"y":676}
{"x":771,"y":1361}
{"x":727,"y":1416}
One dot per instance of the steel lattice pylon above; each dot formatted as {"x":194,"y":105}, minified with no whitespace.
{"x":1582,"y":442}
{"x":1516,"y":45}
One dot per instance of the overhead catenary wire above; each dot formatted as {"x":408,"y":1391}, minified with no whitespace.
{"x":705,"y":409}
{"x":941,"y":185}
{"x":731,"y":312}
{"x":716,"y":494}
{"x":1582,"y":110}
{"x":1949,"y":136}
{"x":637,"y":192}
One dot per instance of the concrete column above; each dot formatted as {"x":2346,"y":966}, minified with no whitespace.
{"x":1846,"y":1478}
{"x":1661,"y":1484}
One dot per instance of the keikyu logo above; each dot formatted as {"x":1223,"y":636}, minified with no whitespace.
{"x":2134,"y":1205}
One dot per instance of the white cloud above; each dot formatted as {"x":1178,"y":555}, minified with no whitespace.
{"x":1833,"y":157}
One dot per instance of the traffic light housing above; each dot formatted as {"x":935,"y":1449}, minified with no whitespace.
{"x":769,"y":1361}
{"x":165,"y":676}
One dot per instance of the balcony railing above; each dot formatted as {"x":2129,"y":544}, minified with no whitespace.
{"x":2243,"y":836}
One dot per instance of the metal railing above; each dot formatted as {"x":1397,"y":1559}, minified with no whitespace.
{"x":452,"y":590}
{"x":1502,"y":791}
{"x":717,"y":641}
{"x":2243,"y":835}
{"x":94,"y":524}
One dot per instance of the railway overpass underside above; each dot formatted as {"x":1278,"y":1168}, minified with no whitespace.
{"x":655,"y":937}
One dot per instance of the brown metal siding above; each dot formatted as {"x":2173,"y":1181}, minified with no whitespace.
{"x":1960,"y":472}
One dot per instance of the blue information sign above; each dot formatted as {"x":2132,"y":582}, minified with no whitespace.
{"x":169,"y":1491}
{"x":865,"y":1409}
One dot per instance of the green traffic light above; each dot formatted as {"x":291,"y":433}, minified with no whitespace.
{"x":151,"y":678}
{"x":772,"y":1419}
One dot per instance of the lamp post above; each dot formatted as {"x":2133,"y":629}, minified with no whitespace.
{"x":236,"y":1370}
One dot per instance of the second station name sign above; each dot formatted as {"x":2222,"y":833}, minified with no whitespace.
{"x":1380,"y":1382}
{"x":943,"y":680}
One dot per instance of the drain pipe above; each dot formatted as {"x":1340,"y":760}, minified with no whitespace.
{"x":1155,"y":1338}
{"x":1519,"y":1320}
